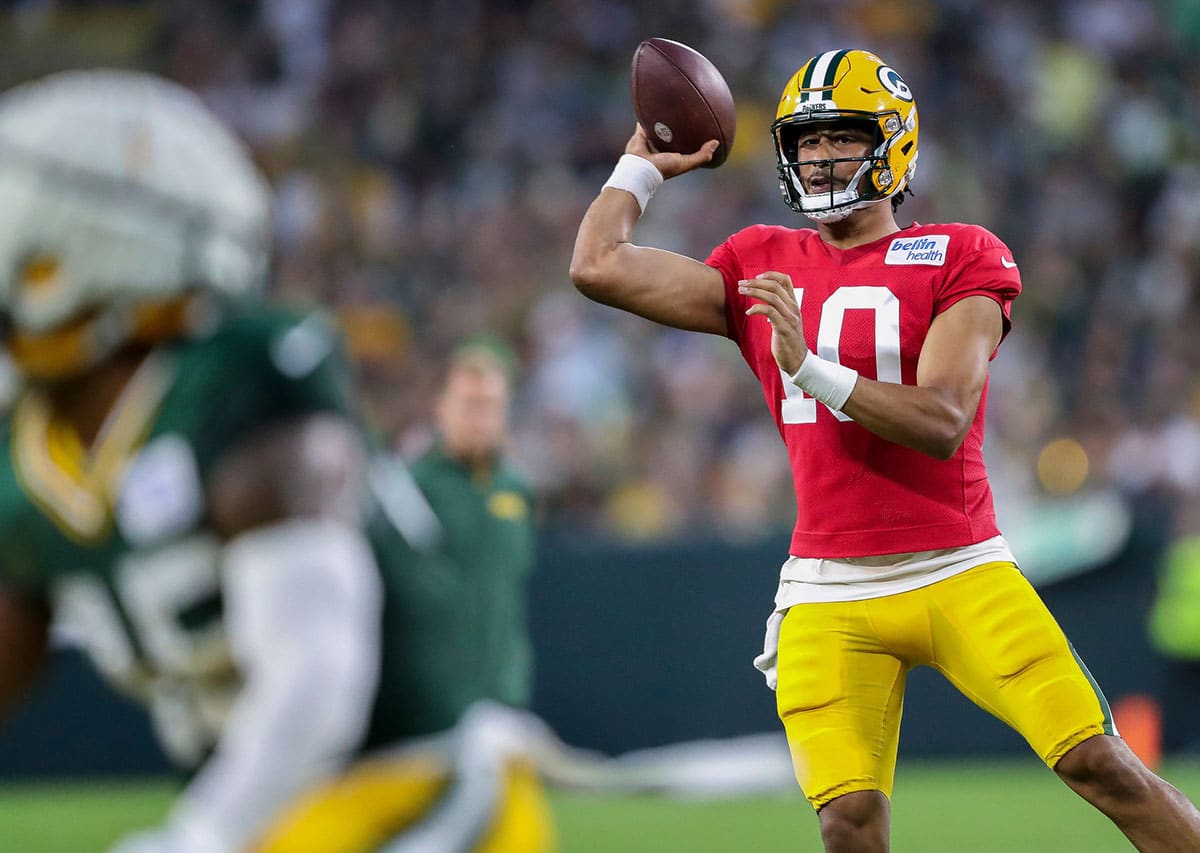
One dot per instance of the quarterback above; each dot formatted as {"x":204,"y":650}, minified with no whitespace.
{"x":872,"y":345}
{"x":187,"y":489}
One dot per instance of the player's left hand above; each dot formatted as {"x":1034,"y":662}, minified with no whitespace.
{"x":777,"y":302}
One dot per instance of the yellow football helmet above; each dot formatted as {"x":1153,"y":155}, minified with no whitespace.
{"x":847,"y":85}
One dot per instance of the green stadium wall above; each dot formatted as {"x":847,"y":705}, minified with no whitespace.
{"x":644,"y":646}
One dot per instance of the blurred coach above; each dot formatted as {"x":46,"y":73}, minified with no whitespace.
{"x":485,"y":510}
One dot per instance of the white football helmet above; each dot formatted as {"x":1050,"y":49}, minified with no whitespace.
{"x":121,"y":198}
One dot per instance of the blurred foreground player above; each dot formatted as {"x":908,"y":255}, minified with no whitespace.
{"x":485,"y":511}
{"x":186,"y":488}
{"x":872,"y":345}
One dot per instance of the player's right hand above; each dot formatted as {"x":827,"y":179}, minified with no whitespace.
{"x":669,"y":164}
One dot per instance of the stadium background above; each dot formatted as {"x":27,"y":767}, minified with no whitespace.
{"x":432,"y":161}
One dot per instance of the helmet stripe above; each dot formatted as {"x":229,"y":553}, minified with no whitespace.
{"x":819,"y":70}
{"x":807,"y":80}
{"x":831,"y":75}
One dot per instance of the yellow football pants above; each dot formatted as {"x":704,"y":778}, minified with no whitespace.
{"x":842,"y":668}
{"x":385,"y":801}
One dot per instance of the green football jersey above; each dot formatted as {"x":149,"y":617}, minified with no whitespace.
{"x":117,"y":539}
{"x":487,"y":523}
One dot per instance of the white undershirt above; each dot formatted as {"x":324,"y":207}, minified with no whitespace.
{"x":805,"y":580}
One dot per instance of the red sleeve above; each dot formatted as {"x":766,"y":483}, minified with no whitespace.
{"x":985,"y":269}
{"x":725,"y":260}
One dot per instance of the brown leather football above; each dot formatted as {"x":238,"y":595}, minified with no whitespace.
{"x":681,"y":99}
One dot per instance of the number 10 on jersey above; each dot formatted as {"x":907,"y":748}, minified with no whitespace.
{"x":798,"y":407}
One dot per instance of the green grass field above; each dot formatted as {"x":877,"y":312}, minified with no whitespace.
{"x":980,"y":807}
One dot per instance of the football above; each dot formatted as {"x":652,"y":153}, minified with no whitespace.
{"x":681,"y":99}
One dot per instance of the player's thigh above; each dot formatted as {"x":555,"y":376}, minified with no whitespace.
{"x":416,"y":801}
{"x":839,"y":696}
{"x":996,"y":641}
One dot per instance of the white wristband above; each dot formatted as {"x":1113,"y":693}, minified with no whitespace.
{"x":635,"y":175}
{"x":829,"y":382}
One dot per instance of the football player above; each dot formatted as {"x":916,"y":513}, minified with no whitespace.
{"x":872,"y":344}
{"x":187,"y":489}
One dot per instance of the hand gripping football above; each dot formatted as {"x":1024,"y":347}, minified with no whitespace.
{"x":681,"y":100}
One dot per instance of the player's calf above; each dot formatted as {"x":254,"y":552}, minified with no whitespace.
{"x":1105,"y":772}
{"x":859,"y":822}
{"x":1153,"y":814}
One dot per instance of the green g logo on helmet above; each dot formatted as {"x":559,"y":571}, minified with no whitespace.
{"x":894,"y":83}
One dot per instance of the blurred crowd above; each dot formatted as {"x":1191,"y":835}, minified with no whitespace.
{"x":432,"y":160}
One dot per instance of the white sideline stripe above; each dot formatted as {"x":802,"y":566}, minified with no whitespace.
{"x":720,"y":767}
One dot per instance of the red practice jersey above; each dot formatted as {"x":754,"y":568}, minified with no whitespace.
{"x":870,"y":308}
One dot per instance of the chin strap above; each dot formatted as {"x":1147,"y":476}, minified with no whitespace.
{"x":842,"y":212}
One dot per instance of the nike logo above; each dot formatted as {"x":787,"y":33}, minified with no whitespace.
{"x":1007,"y":264}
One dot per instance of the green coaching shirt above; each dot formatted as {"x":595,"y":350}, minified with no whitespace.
{"x":486,"y":515}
